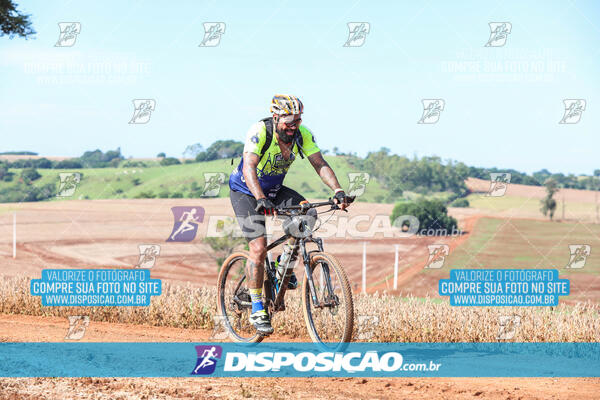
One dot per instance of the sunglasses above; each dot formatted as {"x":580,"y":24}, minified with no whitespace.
{"x":290,"y":120}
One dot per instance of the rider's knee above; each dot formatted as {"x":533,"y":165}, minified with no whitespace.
{"x":258,"y":247}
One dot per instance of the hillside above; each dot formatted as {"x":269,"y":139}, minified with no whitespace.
{"x":187,"y":180}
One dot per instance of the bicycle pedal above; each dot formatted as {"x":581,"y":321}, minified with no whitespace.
{"x":293,"y":282}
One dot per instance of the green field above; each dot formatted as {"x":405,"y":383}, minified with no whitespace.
{"x":523,"y":206}
{"x":187,"y":180}
{"x":521,"y":243}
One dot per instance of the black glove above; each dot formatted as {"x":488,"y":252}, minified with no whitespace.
{"x":264,"y":206}
{"x":340,"y":196}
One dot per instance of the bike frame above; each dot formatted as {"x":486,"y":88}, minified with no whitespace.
{"x":276,"y":294}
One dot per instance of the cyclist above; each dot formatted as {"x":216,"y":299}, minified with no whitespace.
{"x":256,"y":187}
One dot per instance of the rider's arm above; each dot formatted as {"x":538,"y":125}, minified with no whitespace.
{"x":251,"y":160}
{"x":312,"y":151}
{"x":324,"y":170}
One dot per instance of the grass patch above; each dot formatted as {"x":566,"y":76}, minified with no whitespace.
{"x":531,"y":206}
{"x":521,"y":243}
{"x":188,"y":179}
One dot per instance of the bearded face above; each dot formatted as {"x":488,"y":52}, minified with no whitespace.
{"x":287,"y":125}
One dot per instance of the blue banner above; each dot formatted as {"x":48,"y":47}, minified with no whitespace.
{"x":95,"y":287}
{"x":503,"y":287}
{"x":300,"y":360}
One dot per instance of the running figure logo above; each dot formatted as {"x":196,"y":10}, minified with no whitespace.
{"x":498,"y":34}
{"x":579,"y":255}
{"x":186,"y":223}
{"x":573,"y":110}
{"x":68,"y":33}
{"x":207,"y":359}
{"x":507,"y":326}
{"x":148,"y":255}
{"x":142,"y":110}
{"x":367,"y":326}
{"x":212,"y":183}
{"x":357,"y":183}
{"x":498,"y":184}
{"x":432,"y":108}
{"x":437,"y":255}
{"x":212,"y":34}
{"x":68,"y":183}
{"x":77,"y":326}
{"x":220,"y":331}
{"x":357,"y":33}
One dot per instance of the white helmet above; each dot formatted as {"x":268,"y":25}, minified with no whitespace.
{"x":283,"y":104}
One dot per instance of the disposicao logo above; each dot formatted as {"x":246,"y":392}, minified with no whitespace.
{"x":320,"y":362}
{"x":207,"y":359}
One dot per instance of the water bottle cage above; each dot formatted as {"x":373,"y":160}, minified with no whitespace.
{"x":288,"y":271}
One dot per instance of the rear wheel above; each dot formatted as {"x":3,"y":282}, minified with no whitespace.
{"x":330,"y":321}
{"x":233,"y":299}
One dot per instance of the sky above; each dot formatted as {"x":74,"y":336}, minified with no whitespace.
{"x":502,"y":103}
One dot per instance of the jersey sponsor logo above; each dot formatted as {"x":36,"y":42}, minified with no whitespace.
{"x":275,"y":165}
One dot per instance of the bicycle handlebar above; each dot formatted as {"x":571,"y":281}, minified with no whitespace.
{"x":308,"y":206}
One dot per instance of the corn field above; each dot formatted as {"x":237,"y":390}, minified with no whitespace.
{"x":378,"y":318}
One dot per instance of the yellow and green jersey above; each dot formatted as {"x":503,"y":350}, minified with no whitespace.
{"x":272,"y":168}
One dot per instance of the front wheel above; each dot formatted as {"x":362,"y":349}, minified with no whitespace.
{"x":330,"y":320}
{"x":233,"y":299}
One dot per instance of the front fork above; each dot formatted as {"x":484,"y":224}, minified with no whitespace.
{"x":308,"y":271}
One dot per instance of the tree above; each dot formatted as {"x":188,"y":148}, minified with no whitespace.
{"x":72,"y":163}
{"x":161,"y":155}
{"x":29,"y":175}
{"x":3,"y":171}
{"x":43,"y":163}
{"x":12,"y":22}
{"x":548,"y":203}
{"x":19,"y":153}
{"x":597,"y":176}
{"x":221,"y":149}
{"x":462,"y":202}
{"x":432,"y":215}
{"x":193,"y":150}
{"x":98,"y":159}
{"x":165,"y":162}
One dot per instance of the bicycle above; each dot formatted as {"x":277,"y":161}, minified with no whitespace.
{"x":326,"y":300}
